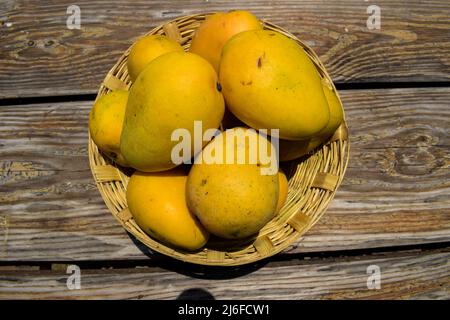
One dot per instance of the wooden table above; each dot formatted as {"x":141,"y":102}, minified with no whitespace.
{"x":392,"y":210}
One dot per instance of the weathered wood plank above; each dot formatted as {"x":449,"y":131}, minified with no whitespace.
{"x":41,"y":56}
{"x":395,"y":191}
{"x":407,"y":275}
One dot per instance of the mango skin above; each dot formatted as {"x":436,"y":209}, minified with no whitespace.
{"x":269,"y":82}
{"x":283,"y":190}
{"x":290,"y":150}
{"x":217,"y":29}
{"x":232,"y":201}
{"x":157,"y":202}
{"x":106,"y":122}
{"x":147,"y":49}
{"x":336,"y":112}
{"x":172,"y":92}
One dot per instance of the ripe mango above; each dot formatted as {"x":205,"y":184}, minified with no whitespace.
{"x":172,"y":92}
{"x":106,"y":122}
{"x":146,"y":49}
{"x":283,"y":190}
{"x":217,"y":29}
{"x":290,"y":150}
{"x":157,"y":202}
{"x":269,"y":82}
{"x":336,"y":112}
{"x":232,"y":200}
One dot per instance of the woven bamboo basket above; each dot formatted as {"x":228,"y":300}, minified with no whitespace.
{"x":313,"y":179}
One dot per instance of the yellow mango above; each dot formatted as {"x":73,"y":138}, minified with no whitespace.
{"x":283,"y":190}
{"x":290,"y":150}
{"x":232,"y":200}
{"x":157,"y":202}
{"x":146,"y":49}
{"x":269,"y":82}
{"x":336,"y":112}
{"x":217,"y":29}
{"x":106,"y":122}
{"x":172,"y":92}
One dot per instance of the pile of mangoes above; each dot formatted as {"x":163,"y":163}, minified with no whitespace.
{"x":238,"y":77}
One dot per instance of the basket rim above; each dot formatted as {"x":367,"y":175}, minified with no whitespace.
{"x":344,"y":147}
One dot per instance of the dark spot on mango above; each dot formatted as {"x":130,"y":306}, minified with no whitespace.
{"x":260,"y":59}
{"x":235,"y":233}
{"x":204,"y":181}
{"x":206,"y":193}
{"x":219,"y":87}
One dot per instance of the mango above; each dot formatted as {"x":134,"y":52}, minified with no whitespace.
{"x":232,"y":199}
{"x":172,"y":92}
{"x":217,"y":29}
{"x":290,"y":150}
{"x":106,"y":122}
{"x":157,"y":202}
{"x":146,"y":49}
{"x":269,"y":82}
{"x":336,"y":112}
{"x":283,"y":190}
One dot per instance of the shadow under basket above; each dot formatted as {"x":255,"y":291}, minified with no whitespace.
{"x":313,"y":179}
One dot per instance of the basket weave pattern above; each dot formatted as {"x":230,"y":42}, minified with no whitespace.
{"x":313,"y":180}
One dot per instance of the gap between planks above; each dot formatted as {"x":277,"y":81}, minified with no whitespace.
{"x":340,"y":86}
{"x":406,"y":274}
{"x":160,"y":260}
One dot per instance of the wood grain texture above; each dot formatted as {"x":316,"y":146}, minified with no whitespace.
{"x":40,"y":56}
{"x":404,"y":275}
{"x":395,"y":191}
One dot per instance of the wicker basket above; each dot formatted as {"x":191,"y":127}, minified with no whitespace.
{"x":313,"y":179}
